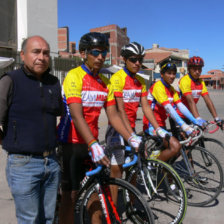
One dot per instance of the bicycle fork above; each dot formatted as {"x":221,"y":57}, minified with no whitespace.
{"x":187,"y":163}
{"x":149,"y":180}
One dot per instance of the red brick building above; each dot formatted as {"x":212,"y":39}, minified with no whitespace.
{"x":65,"y":47}
{"x":63,"y":39}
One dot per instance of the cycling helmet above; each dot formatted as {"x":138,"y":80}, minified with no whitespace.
{"x":168,"y":66}
{"x":93,"y":39}
{"x":131,"y":49}
{"x":195,"y":61}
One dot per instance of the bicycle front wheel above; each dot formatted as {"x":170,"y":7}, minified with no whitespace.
{"x":131,"y":206}
{"x":214,"y":146}
{"x":204,"y":183}
{"x":162,"y":188}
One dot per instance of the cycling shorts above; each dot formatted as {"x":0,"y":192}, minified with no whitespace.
{"x":113,"y":138}
{"x":75,"y":162}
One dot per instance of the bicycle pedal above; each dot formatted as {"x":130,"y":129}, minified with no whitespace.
{"x":202,"y":180}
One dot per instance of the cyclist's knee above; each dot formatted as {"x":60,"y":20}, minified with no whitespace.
{"x":175,"y":145}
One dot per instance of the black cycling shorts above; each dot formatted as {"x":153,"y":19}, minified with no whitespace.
{"x":75,"y":162}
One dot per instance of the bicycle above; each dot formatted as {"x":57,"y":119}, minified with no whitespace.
{"x":200,"y":171}
{"x":95,"y":186}
{"x":159,"y":184}
{"x":211,"y":144}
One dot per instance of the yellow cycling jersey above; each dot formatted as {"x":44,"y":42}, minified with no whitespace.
{"x":93,"y":92}
{"x":131,"y":88}
{"x":188,"y":85}
{"x":158,"y":96}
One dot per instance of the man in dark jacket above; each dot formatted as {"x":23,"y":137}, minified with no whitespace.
{"x":30,"y":101}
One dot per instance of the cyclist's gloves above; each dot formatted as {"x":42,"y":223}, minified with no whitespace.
{"x":187,"y":129}
{"x":151,"y":131}
{"x":158,"y":132}
{"x":219,"y":122}
{"x":97,"y":151}
{"x":162,"y":132}
{"x":201,"y":122}
{"x":134,"y":141}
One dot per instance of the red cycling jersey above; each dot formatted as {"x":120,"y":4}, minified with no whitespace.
{"x":93,"y":92}
{"x":158,"y":96}
{"x":131,"y":88}
{"x":189,"y":86}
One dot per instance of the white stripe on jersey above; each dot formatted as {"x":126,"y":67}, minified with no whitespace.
{"x":93,"y":98}
{"x":131,"y":95}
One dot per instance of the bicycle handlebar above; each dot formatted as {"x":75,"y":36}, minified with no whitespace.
{"x":94,"y":171}
{"x":99,"y":167}
{"x":211,"y":124}
{"x":193,"y":138}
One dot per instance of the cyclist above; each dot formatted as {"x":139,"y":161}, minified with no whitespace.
{"x":192,"y":87}
{"x":129,"y":91}
{"x":85,"y":91}
{"x":164,"y":100}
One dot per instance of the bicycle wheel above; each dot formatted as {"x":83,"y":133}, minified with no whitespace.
{"x":168,"y":198}
{"x":214,"y":146}
{"x":206,"y":181}
{"x":131,"y":206}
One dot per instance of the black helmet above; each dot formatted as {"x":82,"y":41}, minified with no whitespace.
{"x":94,"y":39}
{"x":131,"y":49}
{"x":168,"y":66}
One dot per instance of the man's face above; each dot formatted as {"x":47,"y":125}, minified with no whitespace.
{"x":169,"y":76}
{"x":36,"y":56}
{"x":195,"y":71}
{"x":95,"y":59}
{"x":134,"y":63}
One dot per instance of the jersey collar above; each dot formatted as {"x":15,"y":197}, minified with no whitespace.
{"x":164,"y":83}
{"x":84,"y":67}
{"x":129,"y":73}
{"x":191,"y":77}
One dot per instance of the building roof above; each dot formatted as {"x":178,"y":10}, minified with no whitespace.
{"x":206,"y":76}
{"x":157,"y":56}
{"x":215,"y":71}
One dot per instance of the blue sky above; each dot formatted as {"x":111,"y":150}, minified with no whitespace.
{"x":196,"y":25}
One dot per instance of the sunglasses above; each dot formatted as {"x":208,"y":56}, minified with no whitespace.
{"x":134,"y":60}
{"x":96,"y":53}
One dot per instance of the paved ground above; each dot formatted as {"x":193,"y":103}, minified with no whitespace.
{"x":206,"y":215}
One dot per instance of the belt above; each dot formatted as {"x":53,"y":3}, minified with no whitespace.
{"x":40,"y":154}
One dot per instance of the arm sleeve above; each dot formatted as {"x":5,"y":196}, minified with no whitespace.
{"x":183,"y":109}
{"x":170,"y":110}
{"x":6,"y":86}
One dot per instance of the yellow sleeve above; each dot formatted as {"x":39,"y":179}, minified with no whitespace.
{"x":185,"y":85}
{"x":72,"y":86}
{"x":142,"y":81}
{"x":204,"y":88}
{"x":110,"y":96}
{"x":176,"y":98}
{"x":117,"y":81}
{"x":159,"y":93}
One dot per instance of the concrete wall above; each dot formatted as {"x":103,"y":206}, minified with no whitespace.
{"x":38,"y":17}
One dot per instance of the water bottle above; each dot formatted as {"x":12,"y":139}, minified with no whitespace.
{"x":155,"y":154}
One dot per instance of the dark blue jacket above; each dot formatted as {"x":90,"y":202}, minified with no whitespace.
{"x":30,"y":126}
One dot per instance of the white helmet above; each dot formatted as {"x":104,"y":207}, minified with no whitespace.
{"x":131,"y":49}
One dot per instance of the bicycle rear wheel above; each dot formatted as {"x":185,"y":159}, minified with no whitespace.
{"x":131,"y":206}
{"x":205,"y":183}
{"x":168,"y":199}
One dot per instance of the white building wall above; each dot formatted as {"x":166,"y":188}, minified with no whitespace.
{"x":21,"y":22}
{"x":38,"y":17}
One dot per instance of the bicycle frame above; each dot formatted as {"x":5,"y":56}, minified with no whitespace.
{"x":104,"y":195}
